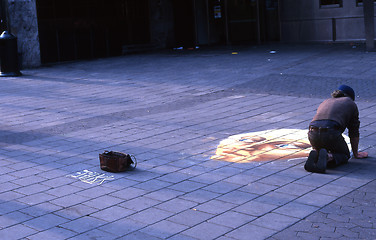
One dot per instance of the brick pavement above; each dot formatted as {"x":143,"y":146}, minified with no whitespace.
{"x":349,"y":217}
{"x":171,"y":109}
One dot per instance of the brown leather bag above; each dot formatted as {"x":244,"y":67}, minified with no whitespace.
{"x":111,"y":161}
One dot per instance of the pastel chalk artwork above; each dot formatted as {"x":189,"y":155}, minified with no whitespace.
{"x":275,"y":144}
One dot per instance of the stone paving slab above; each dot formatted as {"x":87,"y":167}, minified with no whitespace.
{"x":171,"y":109}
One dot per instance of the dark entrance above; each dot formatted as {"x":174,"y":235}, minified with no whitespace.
{"x":184,"y":23}
{"x":269,"y":21}
{"x":252,"y":21}
{"x":82,"y":29}
{"x":242,"y":20}
{"x":238,"y":21}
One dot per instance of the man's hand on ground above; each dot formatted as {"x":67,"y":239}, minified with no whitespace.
{"x":361,"y":155}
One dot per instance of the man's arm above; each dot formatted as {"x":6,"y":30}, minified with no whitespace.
{"x":354,"y":146}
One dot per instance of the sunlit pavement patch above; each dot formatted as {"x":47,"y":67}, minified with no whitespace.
{"x":264,"y":146}
{"x":90,"y":177}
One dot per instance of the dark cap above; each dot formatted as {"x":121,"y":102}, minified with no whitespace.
{"x":348,"y":91}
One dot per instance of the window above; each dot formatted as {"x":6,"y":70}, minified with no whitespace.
{"x":360,"y":2}
{"x":330,"y":3}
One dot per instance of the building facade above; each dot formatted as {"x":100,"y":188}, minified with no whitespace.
{"x":322,"y":21}
{"x":51,"y":31}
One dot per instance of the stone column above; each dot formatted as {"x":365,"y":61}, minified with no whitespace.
{"x":24,"y":25}
{"x":369,"y":23}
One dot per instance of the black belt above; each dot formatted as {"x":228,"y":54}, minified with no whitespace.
{"x":318,"y":129}
{"x":324,"y":126}
{"x":321,"y":129}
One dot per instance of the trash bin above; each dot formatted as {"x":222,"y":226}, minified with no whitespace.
{"x":8,"y":55}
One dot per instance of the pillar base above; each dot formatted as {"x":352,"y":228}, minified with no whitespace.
{"x":10,"y":74}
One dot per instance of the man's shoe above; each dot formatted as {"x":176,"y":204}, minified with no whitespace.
{"x":331,"y":161}
{"x":310,"y":164}
{"x":323,"y":160}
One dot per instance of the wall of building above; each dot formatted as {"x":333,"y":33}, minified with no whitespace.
{"x":305,"y":21}
{"x":300,"y":21}
{"x":24,"y":25}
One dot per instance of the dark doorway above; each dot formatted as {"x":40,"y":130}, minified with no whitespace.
{"x":243,"y":21}
{"x":84,"y":29}
{"x":184,"y":23}
{"x":217,"y":21}
{"x":269,"y":21}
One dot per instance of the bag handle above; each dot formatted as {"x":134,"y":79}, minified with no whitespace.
{"x":134,"y":161}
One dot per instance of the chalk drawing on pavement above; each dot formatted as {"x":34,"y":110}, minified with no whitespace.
{"x":90,"y":177}
{"x":274,"y":144}
{"x":264,"y":146}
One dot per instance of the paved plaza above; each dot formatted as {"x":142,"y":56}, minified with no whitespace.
{"x":191,"y":118}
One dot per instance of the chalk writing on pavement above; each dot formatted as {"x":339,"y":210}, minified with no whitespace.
{"x":90,"y":177}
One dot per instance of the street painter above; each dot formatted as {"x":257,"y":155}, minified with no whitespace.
{"x":333,"y":117}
